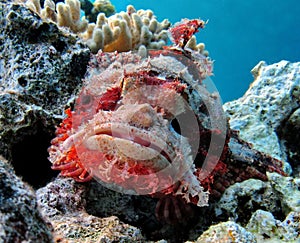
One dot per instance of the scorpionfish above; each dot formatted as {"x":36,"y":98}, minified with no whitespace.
{"x":147,"y":125}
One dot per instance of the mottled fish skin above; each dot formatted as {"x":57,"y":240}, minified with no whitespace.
{"x":122,"y":129}
{"x":122,"y":116}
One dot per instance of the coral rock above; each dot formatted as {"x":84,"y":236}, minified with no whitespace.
{"x":226,"y":232}
{"x":268,"y":229}
{"x":290,"y":137}
{"x":261,"y":113}
{"x":43,"y":70}
{"x":62,"y":203}
{"x":242,"y":199}
{"x":71,"y":207}
{"x":288,"y":191}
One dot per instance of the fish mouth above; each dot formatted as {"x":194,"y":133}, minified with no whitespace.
{"x":130,"y":142}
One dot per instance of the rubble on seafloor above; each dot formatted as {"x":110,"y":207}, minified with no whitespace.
{"x":42,"y":67}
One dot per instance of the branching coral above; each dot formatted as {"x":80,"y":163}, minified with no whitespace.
{"x":69,"y":16}
{"x":124,"y":31}
{"x":192,"y":44}
{"x":127,"y":31}
{"x":64,"y":14}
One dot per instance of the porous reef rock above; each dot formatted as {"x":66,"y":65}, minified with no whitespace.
{"x":41,"y":71}
{"x":278,"y":196}
{"x":62,"y":202}
{"x":266,"y":115}
{"x":267,"y":228}
{"x":287,"y":188}
{"x":290,"y":137}
{"x":20,"y":219}
{"x":240,"y":200}
{"x":226,"y":232}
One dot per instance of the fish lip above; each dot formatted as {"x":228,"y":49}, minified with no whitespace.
{"x":135,"y":135}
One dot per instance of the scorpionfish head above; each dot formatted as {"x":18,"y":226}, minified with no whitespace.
{"x":121,"y":131}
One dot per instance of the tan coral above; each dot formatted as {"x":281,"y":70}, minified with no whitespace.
{"x":48,"y":12}
{"x":34,"y":5}
{"x":192,"y":44}
{"x":127,"y":31}
{"x":69,"y":16}
{"x":65,"y":14}
{"x":124,"y":31}
{"x":123,"y":40}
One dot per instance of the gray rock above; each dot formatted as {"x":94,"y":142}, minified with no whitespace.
{"x":226,"y":232}
{"x":240,"y":200}
{"x":61,"y":196}
{"x":290,"y":137}
{"x":82,"y":227}
{"x":288,"y":191}
{"x":267,"y":229}
{"x":41,"y":69}
{"x":63,"y":203}
{"x":270,"y":100}
{"x":20,"y":220}
{"x":104,"y":202}
{"x":268,"y":117}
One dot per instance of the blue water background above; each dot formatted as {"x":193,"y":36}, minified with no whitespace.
{"x":239,"y":34}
